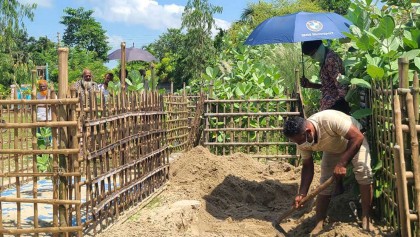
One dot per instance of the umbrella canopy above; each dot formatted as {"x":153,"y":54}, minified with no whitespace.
{"x":299,"y":27}
{"x":133,"y":54}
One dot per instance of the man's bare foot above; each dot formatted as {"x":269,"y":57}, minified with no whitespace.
{"x":318,"y":228}
{"x":366,"y":225}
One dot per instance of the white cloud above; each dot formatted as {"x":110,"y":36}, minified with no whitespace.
{"x":220,"y":24}
{"x":40,"y":3}
{"x":142,"y":12}
{"x":115,"y":41}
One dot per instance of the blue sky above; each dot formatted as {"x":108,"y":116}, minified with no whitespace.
{"x":133,"y":21}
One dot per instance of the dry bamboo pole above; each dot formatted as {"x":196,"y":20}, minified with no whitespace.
{"x":401,"y":172}
{"x":2,"y":185}
{"x":55,"y":179}
{"x":34,"y":156}
{"x":38,"y":152}
{"x":381,"y":140}
{"x":152,"y":68}
{"x":416,"y":96}
{"x":248,"y":107}
{"x":10,"y":139}
{"x":257,"y":114}
{"x":414,"y":154}
{"x":403,"y":72}
{"x":76,"y":165}
{"x":16,"y":158}
{"x":63,"y":54}
{"x":258,"y":122}
{"x":54,"y":230}
{"x":207,"y":126}
{"x":50,"y":101}
{"x":18,"y":124}
{"x":37,"y":200}
{"x":123,"y":62}
{"x":92,"y":137}
{"x":231,"y":133}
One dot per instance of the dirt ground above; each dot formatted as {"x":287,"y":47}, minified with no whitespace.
{"x":231,"y":196}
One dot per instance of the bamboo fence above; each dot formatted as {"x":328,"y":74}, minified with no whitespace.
{"x":394,"y":129}
{"x":406,"y":151}
{"x":176,"y":107}
{"x":125,"y":155}
{"x":14,"y":139}
{"x":106,"y":156}
{"x":382,"y":140}
{"x":250,"y":126}
{"x":25,"y":160}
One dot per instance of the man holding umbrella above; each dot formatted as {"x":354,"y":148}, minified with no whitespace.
{"x":311,"y":28}
{"x":333,"y":93}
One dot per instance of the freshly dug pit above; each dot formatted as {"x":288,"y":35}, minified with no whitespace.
{"x":210,"y":195}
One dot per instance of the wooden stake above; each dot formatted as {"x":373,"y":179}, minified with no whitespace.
{"x":62,"y":132}
{"x":399,"y":164}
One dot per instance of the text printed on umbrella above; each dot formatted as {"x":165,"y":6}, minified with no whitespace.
{"x":317,"y":34}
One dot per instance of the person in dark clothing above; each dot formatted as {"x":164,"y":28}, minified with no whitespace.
{"x":333,"y":93}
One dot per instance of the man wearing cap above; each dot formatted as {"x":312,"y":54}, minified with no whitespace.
{"x":333,"y":93}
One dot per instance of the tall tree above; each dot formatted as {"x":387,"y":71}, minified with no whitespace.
{"x":83,"y":31}
{"x":11,"y":14}
{"x":13,"y":64}
{"x":171,"y":41}
{"x":338,"y":6}
{"x":170,"y":49}
{"x":198,"y":20}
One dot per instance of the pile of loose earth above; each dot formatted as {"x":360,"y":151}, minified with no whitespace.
{"x":210,"y":195}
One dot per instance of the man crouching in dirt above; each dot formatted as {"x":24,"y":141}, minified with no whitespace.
{"x":338,"y":136}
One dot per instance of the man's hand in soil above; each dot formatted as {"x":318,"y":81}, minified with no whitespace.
{"x":298,"y":199}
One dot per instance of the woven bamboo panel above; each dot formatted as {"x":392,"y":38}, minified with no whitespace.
{"x":28,"y":192}
{"x":10,"y":139}
{"x":382,"y":142}
{"x":250,"y":126}
{"x":177,"y":121}
{"x":124,"y":154}
{"x":395,"y":127}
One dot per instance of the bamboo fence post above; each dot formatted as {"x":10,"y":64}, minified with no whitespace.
{"x":122,"y":74}
{"x":403,"y":72}
{"x":416,"y":95}
{"x":16,"y":159}
{"x":63,"y":54}
{"x":34,"y":147}
{"x":55,"y":180}
{"x":414,"y":154}
{"x":152,"y":69}
{"x":76,"y":165}
{"x":400,"y":170}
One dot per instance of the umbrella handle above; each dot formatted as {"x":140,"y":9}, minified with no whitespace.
{"x":303,"y":66}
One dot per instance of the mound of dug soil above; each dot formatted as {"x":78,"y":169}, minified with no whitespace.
{"x":210,"y":195}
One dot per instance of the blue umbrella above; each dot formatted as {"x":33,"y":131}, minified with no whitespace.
{"x":299,"y":27}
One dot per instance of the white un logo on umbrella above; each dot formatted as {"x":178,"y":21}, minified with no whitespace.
{"x":314,"y":25}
